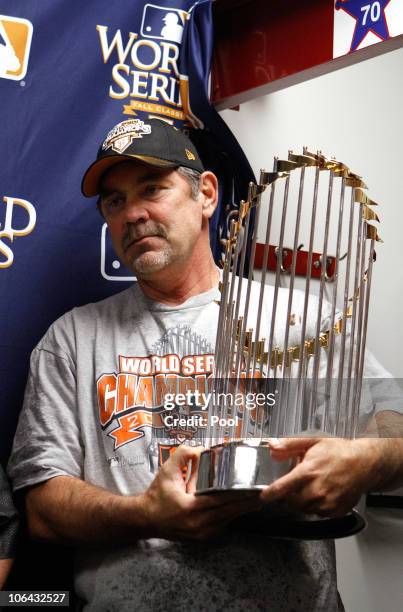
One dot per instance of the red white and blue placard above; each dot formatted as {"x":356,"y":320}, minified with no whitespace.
{"x":361,"y":23}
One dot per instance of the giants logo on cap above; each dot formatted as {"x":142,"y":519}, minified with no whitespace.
{"x":123,"y":134}
{"x":15,"y":44}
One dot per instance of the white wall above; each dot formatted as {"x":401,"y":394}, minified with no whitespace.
{"x":370,"y":565}
{"x":356,"y":115}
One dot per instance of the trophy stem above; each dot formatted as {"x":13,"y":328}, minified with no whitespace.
{"x":259,"y":422}
{"x":279,"y":267}
{"x":263,"y":277}
{"x":353,"y":341}
{"x":330,"y":357}
{"x":359,"y":330}
{"x":221,"y":377}
{"x":232,"y":332}
{"x":246,"y":413}
{"x":315,"y":374}
{"x":303,"y":357}
{"x":364,"y":333}
{"x":340,"y":381}
{"x":219,"y":352}
{"x":287,"y":365}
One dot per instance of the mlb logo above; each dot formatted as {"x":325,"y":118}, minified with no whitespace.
{"x":15,"y":45}
{"x":163,"y":23}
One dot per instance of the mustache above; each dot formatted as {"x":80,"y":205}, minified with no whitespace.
{"x":137,"y":232}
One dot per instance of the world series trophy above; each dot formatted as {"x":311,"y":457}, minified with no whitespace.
{"x":291,"y":357}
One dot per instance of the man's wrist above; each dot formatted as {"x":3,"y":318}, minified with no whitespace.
{"x":383,"y":460}
{"x":138,"y":512}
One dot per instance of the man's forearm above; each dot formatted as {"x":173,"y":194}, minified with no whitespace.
{"x":389,"y":467}
{"x":389,"y":446}
{"x":72,"y":511}
{"x":75,"y":512}
{"x":5,"y":567}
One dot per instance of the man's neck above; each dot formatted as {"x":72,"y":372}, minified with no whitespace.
{"x":174,"y":288}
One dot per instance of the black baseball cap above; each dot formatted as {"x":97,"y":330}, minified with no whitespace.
{"x":154,"y":142}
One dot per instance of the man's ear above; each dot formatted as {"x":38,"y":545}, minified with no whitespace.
{"x":208,"y":193}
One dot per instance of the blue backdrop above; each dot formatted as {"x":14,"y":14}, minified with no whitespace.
{"x":69,"y":70}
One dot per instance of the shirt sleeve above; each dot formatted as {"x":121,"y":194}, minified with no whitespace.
{"x":377,"y":392}
{"x":8,"y":520}
{"x":345,"y":404}
{"x":47,"y":442}
{"x":382,"y":393}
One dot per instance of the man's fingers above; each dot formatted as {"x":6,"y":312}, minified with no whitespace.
{"x":286,"y":485}
{"x":291,"y":447}
{"x":178,"y":462}
{"x":191,"y":483}
{"x":183,"y":454}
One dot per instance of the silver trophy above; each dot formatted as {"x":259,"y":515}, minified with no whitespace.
{"x":289,"y":355}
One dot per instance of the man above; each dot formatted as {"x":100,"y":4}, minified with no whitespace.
{"x":8,"y":529}
{"x":83,"y":448}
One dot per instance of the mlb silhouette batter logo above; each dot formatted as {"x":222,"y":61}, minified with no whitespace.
{"x":15,"y":44}
{"x":163,"y":23}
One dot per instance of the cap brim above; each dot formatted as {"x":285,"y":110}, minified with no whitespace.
{"x":91,"y":180}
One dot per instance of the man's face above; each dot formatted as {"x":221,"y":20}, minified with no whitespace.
{"x":153,"y":220}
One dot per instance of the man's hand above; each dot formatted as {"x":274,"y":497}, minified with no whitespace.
{"x":174,"y":512}
{"x":330,"y":474}
{"x":70,"y":510}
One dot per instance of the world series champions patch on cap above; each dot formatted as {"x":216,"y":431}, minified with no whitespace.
{"x":154,"y":142}
{"x":121,"y":136}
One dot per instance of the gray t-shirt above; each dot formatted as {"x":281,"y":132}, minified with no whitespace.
{"x":97,"y":379}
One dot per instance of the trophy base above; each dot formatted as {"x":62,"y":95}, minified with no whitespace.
{"x":237,"y":467}
{"x":302,"y":527}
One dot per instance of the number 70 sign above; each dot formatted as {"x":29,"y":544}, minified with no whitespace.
{"x":360,"y":23}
